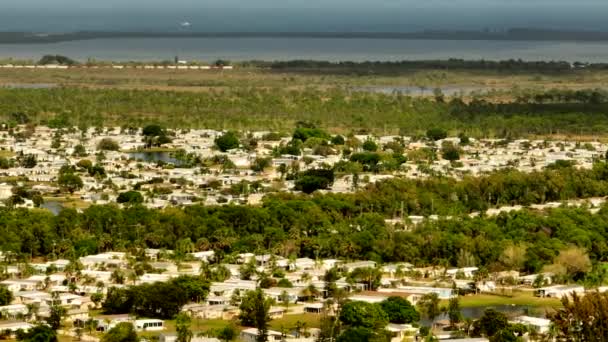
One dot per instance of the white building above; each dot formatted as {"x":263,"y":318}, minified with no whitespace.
{"x":559,"y":291}
{"x":149,"y":325}
{"x":540,"y":325}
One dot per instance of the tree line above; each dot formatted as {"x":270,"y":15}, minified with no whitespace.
{"x":160,"y":300}
{"x":336,"y":110}
{"x":349,"y":226}
{"x":406,"y":66}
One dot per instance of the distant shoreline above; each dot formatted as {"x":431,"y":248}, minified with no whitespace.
{"x":518,"y":34}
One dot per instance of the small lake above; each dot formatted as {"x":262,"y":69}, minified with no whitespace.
{"x":510,"y":311}
{"x":54,"y":207}
{"x":285,"y":48}
{"x":152,"y":157}
{"x":424,"y":91}
{"x":29,"y":85}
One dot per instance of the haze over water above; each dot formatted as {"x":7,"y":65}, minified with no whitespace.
{"x":239,"y":49}
{"x":304,"y":16}
{"x":301,"y":15}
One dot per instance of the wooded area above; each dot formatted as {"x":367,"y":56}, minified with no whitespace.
{"x":334,"y":109}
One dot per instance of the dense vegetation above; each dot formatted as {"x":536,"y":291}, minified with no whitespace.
{"x":391,"y":68}
{"x":56,"y":59}
{"x":162,"y":300}
{"x":582,"y":318}
{"x":281,"y":109}
{"x":350,"y":226}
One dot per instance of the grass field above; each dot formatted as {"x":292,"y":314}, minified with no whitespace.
{"x":213,"y":80}
{"x":256,"y":99}
{"x":6,"y":154}
{"x":289,"y":321}
{"x":518,"y":298}
{"x":151,"y":150}
{"x":73,"y":202}
{"x":198,"y":326}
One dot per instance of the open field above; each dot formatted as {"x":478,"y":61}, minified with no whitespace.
{"x":255,"y":98}
{"x":73,"y":202}
{"x":207,"y":325}
{"x":289,"y":321}
{"x":207,"y":80}
{"x":518,"y":298}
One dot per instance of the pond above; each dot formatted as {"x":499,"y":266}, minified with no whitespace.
{"x":510,"y":311}
{"x":29,"y":85}
{"x":151,"y":157}
{"x":426,"y":91}
{"x":54,"y":207}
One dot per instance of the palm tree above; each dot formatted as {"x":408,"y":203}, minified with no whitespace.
{"x":32,"y":311}
{"x":90,"y":325}
{"x":305,"y":278}
{"x":100,"y":286}
{"x":118,"y":277}
{"x":47,"y":282}
{"x":552,"y":333}
{"x":310,"y":292}
{"x":78,"y":332}
{"x":399,"y":272}
{"x":468,"y":324}
{"x":284,"y":297}
{"x":132,"y":277}
{"x":300,"y":329}
{"x":284,"y":331}
{"x":88,"y":280}
{"x":73,"y":287}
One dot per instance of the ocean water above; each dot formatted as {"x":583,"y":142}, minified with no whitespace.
{"x":333,"y":49}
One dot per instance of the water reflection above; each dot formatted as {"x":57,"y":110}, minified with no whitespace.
{"x":165,"y":157}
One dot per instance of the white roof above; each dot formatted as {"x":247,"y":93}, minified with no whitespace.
{"x":149,"y":320}
{"x":541,"y":322}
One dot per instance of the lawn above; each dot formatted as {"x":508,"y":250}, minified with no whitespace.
{"x":289,"y":321}
{"x":6,"y":154}
{"x":73,"y":202}
{"x":518,"y":298}
{"x":151,"y":150}
{"x":198,"y":325}
{"x":203,"y":325}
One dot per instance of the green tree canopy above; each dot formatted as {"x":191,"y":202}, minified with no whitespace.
{"x":490,"y":323}
{"x":255,"y":308}
{"x":315,"y":179}
{"x":108,"y":144}
{"x":70,"y":182}
{"x":362,"y":314}
{"x":122,"y":332}
{"x":370,"y":146}
{"x":399,"y":310}
{"x":6,"y":296}
{"x":304,"y":133}
{"x":130,"y":197}
{"x":356,"y":334}
{"x":582,"y":318}
{"x":182,"y":327}
{"x":436,"y":134}
{"x":227,"y":141}
{"x":39,"y":333}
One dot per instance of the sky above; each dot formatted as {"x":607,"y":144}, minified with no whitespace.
{"x":301,"y":15}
